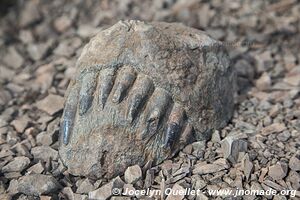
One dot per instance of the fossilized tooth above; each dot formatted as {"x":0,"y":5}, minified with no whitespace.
{"x":142,"y":92}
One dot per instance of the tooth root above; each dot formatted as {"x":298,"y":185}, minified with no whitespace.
{"x":106,"y":80}
{"x":174,"y":125}
{"x":86,"y":92}
{"x":69,"y":114}
{"x":127,"y":77}
{"x":140,"y":91}
{"x":158,"y":105}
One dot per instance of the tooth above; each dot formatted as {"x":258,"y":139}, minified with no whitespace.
{"x":69,"y":114}
{"x":174,"y":125}
{"x":86,"y":92}
{"x":158,"y":104}
{"x":127,"y":76}
{"x":106,"y":80}
{"x":140,"y":91}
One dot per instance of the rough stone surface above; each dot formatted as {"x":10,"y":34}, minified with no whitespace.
{"x":217,"y":166}
{"x":106,"y":191}
{"x":44,"y":153}
{"x":133,"y":174}
{"x":294,"y":163}
{"x":278,"y":171}
{"x":142,"y":98}
{"x":178,"y":193}
{"x":51,"y":104}
{"x":18,"y":164}
{"x":37,"y":184}
{"x":232,"y":146}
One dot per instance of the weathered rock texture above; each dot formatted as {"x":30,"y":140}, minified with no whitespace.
{"x":143,"y":91}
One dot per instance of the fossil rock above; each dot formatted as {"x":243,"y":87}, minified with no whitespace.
{"x":141,"y":93}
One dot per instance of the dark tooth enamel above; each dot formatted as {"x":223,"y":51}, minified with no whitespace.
{"x":134,"y":106}
{"x":66,"y":129}
{"x":85,"y":103}
{"x":172,"y":133}
{"x":156,"y":109}
{"x":106,"y":80}
{"x":141,"y":89}
{"x":174,"y":125}
{"x":86,"y":92}
{"x":69,"y":116}
{"x":125,"y":80}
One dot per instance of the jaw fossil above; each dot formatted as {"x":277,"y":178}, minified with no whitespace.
{"x":142,"y":92}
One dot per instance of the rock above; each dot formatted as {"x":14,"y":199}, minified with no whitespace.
{"x":38,"y":51}
{"x":171,"y":77}
{"x":273,"y":185}
{"x":273,"y":128}
{"x":5,"y":196}
{"x":62,"y":23}
{"x":133,"y":174}
{"x":69,"y":194}
{"x":278,"y":171}
{"x":21,"y":123}
{"x":216,"y":137}
{"x":13,"y":59}
{"x":278,"y":197}
{"x":12,"y":175}
{"x":13,"y":187}
{"x":294,"y":179}
{"x":37,"y":184}
{"x":294,"y":163}
{"x":45,"y":197}
{"x":37,"y":168}
{"x":44,"y":138}
{"x":30,"y":14}
{"x":26,"y":36}
{"x":264,"y":82}
{"x":68,"y":47}
{"x":198,"y":182}
{"x":106,"y":191}
{"x":5,"y":97}
{"x":284,"y":136}
{"x":293,"y":79}
{"x":201,"y":196}
{"x":44,"y":153}
{"x":232,"y":146}
{"x":44,"y":76}
{"x":129,"y":190}
{"x":87,"y":31}
{"x":244,"y":69}
{"x":149,"y":179}
{"x":18,"y":164}
{"x":85,"y":187}
{"x":217,"y":166}
{"x":198,"y":148}
{"x":51,"y":104}
{"x":177,"y":193}
{"x":247,"y":166}
{"x":6,"y":74}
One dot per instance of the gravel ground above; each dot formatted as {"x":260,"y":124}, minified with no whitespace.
{"x":259,"y":149}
